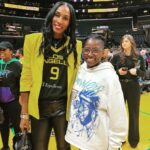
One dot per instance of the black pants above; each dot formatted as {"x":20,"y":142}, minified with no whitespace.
{"x":12,"y":112}
{"x":52,"y":116}
{"x":131,"y":91}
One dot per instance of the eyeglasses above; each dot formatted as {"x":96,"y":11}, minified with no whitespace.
{"x":93,"y":51}
{"x":2,"y":50}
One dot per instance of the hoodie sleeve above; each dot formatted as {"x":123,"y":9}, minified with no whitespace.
{"x":118,"y":122}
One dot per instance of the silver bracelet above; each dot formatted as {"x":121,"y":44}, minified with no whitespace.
{"x":24,"y":116}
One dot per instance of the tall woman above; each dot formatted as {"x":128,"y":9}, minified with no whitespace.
{"x":51,"y":60}
{"x":130,"y":66}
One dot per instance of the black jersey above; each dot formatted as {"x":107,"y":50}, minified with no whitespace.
{"x":54,"y":86}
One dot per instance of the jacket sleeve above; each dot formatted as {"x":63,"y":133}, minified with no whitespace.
{"x":26,"y":77}
{"x":118,"y":122}
{"x":115,"y":61}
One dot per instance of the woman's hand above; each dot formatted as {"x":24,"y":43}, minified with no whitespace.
{"x":25,"y":120}
{"x":24,"y":124}
{"x":133,"y":71}
{"x":122,"y":71}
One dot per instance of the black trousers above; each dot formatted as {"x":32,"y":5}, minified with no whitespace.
{"x":53,"y":115}
{"x":12,"y":112}
{"x":131,"y":91}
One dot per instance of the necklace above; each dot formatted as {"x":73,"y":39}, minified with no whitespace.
{"x":57,"y":42}
{"x":62,"y":45}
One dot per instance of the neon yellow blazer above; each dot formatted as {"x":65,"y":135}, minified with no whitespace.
{"x":32,"y":72}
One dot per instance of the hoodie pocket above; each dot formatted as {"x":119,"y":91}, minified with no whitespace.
{"x":6,"y":95}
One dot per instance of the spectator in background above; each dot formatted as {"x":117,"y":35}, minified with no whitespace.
{"x":98,"y":119}
{"x":51,"y":60}
{"x":148,"y":60}
{"x":148,"y":63}
{"x":108,"y":55}
{"x":130,"y":66}
{"x":143,"y":53}
{"x":10,"y":72}
{"x":19,"y":54}
{"x":146,"y":56}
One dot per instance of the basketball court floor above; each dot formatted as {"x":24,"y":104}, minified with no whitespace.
{"x":144,"y":128}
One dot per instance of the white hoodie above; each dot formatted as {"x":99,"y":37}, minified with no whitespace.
{"x":98,"y":118}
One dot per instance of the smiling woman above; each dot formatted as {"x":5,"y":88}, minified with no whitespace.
{"x":53,"y":56}
{"x":60,"y":21}
{"x":93,"y":51}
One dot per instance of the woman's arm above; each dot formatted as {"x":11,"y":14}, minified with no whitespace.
{"x":25,"y":83}
{"x":24,"y":102}
{"x":139,"y":69}
{"x":24,"y":98}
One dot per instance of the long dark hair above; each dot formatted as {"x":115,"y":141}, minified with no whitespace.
{"x":48,"y":31}
{"x":134,"y":52}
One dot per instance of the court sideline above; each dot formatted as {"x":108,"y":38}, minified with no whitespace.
{"x":144,"y":128}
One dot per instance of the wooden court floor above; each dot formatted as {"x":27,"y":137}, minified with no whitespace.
{"x":144,"y":128}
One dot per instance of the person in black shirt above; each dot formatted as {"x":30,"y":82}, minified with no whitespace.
{"x":10,"y":72}
{"x":130,"y":66}
{"x":51,"y":60}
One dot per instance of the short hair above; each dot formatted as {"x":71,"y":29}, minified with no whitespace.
{"x":98,"y":37}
